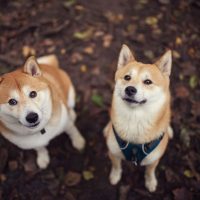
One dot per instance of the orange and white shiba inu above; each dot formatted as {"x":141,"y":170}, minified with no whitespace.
{"x":139,"y":128}
{"x":37,"y":104}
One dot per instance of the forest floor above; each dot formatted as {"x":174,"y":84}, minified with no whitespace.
{"x":87,"y":37}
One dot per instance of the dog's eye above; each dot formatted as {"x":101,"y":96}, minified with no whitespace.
{"x":33,"y":94}
{"x":127,"y":77}
{"x":148,"y":82}
{"x":12,"y":102}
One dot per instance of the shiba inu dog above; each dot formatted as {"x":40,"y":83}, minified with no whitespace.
{"x":139,"y":128}
{"x":37,"y":104}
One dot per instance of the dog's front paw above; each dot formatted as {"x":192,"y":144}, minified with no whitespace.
{"x":115,"y":176}
{"x":151,"y":184}
{"x":79,"y":143}
{"x":43,"y":160}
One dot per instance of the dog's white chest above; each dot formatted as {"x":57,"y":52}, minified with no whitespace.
{"x":38,"y":139}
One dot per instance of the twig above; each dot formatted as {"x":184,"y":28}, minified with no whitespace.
{"x":56,"y":30}
{"x":10,"y":61}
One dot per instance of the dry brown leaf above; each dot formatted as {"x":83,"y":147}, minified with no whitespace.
{"x":107,"y":39}
{"x":182,"y":92}
{"x":27,"y":51}
{"x":89,"y":50}
{"x":76,"y":57}
{"x":72,"y":178}
{"x":83,"y":68}
{"x":151,"y":20}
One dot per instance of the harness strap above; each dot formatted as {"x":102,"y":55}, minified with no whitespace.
{"x":136,"y":152}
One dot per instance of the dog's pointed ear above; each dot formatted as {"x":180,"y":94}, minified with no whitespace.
{"x":165,"y":63}
{"x":31,"y":67}
{"x":125,"y":56}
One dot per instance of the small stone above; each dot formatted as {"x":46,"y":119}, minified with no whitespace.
{"x":13,"y":165}
{"x":72,"y":178}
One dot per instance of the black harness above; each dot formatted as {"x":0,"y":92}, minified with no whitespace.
{"x":136,"y":152}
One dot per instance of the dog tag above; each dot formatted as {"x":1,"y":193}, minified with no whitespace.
{"x":43,"y":131}
{"x":134,"y":157}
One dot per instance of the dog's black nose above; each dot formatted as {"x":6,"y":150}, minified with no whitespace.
{"x":32,"y":117}
{"x":130,"y":91}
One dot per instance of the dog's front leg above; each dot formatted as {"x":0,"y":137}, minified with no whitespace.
{"x":116,"y":171}
{"x":43,"y":158}
{"x":150,"y":177}
{"x":77,"y":139}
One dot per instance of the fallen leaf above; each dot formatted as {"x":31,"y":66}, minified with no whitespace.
{"x":140,"y":38}
{"x":2,"y":178}
{"x":63,"y":51}
{"x":178,"y":41}
{"x":76,"y":57}
{"x":188,"y":173}
{"x":48,"y":42}
{"x":97,"y":100}
{"x":151,"y":20}
{"x":191,"y":52}
{"x":171,"y":176}
{"x":143,"y":1}
{"x":193,"y":82}
{"x":69,"y":196}
{"x":176,"y":54}
{"x":196,"y":108}
{"x":27,"y":51}
{"x":83,"y":68}
{"x":51,"y":49}
{"x":30,"y":165}
{"x":114,"y":18}
{"x":69,"y":3}
{"x":182,"y":194}
{"x":185,"y":137}
{"x":89,"y":50}
{"x":107,"y":39}
{"x":123,"y":192}
{"x":13,"y":165}
{"x":164,"y":1}
{"x":149,"y":54}
{"x":72,"y":178}
{"x":79,"y":7}
{"x":88,"y":175}
{"x":84,"y":35}
{"x":182,"y":92}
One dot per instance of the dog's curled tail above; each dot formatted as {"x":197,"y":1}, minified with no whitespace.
{"x":170,"y":132}
{"x":51,"y":60}
{"x":106,"y":130}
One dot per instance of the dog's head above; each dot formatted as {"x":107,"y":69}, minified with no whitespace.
{"x":25,"y":101}
{"x":139,"y":84}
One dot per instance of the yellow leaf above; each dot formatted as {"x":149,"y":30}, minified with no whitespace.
{"x":84,"y":35}
{"x":176,"y":54}
{"x":107,"y":39}
{"x":188,"y":173}
{"x":88,"y":175}
{"x":151,"y":20}
{"x":193,"y":82}
{"x":178,"y":41}
{"x":83,"y":68}
{"x":89,"y":50}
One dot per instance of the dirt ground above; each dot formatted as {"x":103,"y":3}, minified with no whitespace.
{"x":87,"y":36}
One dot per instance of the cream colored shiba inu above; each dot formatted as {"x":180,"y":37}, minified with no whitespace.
{"x":37,"y":104}
{"x":139,"y":128}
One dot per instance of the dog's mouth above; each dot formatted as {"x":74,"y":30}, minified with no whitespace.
{"x":33,"y":125}
{"x":129,"y":100}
